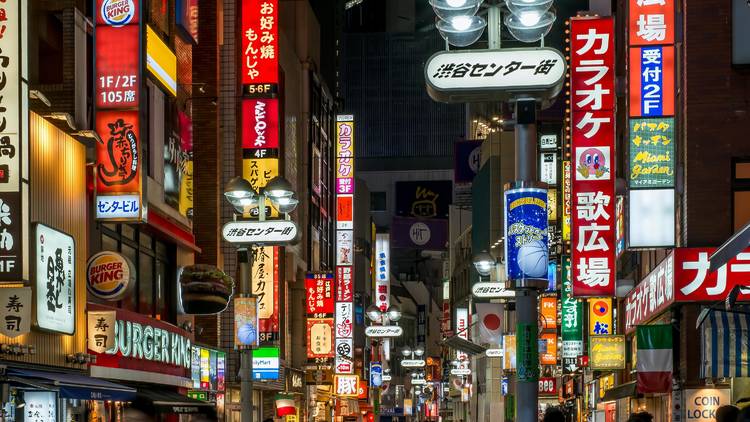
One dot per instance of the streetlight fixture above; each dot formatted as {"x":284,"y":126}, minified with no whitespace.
{"x":457,"y":23}
{"x":374,"y":313}
{"x":393,"y":313}
{"x":484,"y":263}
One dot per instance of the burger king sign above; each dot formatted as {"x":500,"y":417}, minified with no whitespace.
{"x":108,"y":275}
{"x":117,"y":12}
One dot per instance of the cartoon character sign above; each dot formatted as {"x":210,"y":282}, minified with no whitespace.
{"x":592,"y":163}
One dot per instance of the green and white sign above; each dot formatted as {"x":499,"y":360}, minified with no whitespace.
{"x":652,"y":161}
{"x":527,"y":351}
{"x":266,"y":363}
{"x":572,"y":321}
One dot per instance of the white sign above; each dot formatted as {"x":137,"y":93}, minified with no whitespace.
{"x":418,"y":381}
{"x":15,"y":309}
{"x":462,"y":330}
{"x":420,"y":233}
{"x":114,"y":207}
{"x":460,"y":371}
{"x":383,"y":331}
{"x":344,"y":247}
{"x":346,"y":385}
{"x":455,"y":76}
{"x":651,"y":216}
{"x":55,"y":280}
{"x":412,"y":363}
{"x":387,"y":378}
{"x":344,"y":361}
{"x":548,"y":168}
{"x":701,"y":404}
{"x":10,"y":147}
{"x":101,"y":330}
{"x":494,"y":353}
{"x":572,"y":349}
{"x":491,"y":290}
{"x":41,"y":406}
{"x":142,"y":341}
{"x":548,"y":142}
{"x":267,"y":233}
{"x":344,"y":319}
{"x":382,"y":271}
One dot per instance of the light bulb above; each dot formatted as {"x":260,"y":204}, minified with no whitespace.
{"x":461,"y":23}
{"x":529,"y":18}
{"x":455,"y":3}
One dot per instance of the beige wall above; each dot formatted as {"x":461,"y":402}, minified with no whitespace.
{"x":57,"y":199}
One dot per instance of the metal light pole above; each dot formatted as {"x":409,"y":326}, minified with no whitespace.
{"x":244,"y":259}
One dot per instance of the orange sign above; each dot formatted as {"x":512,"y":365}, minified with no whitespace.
{"x":548,"y":310}
{"x":550,"y":357}
{"x":651,"y":22}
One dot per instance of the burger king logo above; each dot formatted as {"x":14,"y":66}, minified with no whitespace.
{"x":108,"y":275}
{"x":117,"y":12}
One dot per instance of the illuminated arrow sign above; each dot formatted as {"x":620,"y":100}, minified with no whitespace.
{"x":491,"y":290}
{"x":492,"y":75}
{"x":412,"y":363}
{"x":268,"y":233}
{"x":383,"y":331}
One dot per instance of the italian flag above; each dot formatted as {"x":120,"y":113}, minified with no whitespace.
{"x":654,"y":358}
{"x":285,"y":405}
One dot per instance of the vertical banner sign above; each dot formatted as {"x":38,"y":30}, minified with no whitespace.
{"x":572,"y":321}
{"x":548,"y":312}
{"x":382,"y":271}
{"x":320,"y":307}
{"x":320,"y":343}
{"x":651,"y":81}
{"x":462,"y":331}
{"x":567,"y":200}
{"x":526,"y":247}
{"x":265,"y":277}
{"x":652,"y":161}
{"x":245,"y":322}
{"x":344,"y":362}
{"x":119,"y":179}
{"x":101,"y":330}
{"x":527,"y":355}
{"x":319,"y":287}
{"x":421,"y":324}
{"x":55,"y":280}
{"x":260,"y":42}
{"x":651,"y":22}
{"x":593,"y":142}
{"x":600,"y":316}
{"x":15,"y":311}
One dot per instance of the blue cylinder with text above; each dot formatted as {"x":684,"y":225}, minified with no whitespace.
{"x":526,"y":246}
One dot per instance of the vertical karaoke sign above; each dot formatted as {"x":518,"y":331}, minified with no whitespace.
{"x":344,"y":328}
{"x":118,"y":48}
{"x":592,"y":82}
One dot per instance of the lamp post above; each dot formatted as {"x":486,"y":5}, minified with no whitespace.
{"x":241,"y":195}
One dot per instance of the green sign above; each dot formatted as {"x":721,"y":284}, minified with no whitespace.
{"x":572,"y":309}
{"x":198,"y":395}
{"x":652,"y":161}
{"x":527,"y":351}
{"x":510,"y":407}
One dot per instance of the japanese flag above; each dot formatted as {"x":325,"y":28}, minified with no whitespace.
{"x":490,"y":321}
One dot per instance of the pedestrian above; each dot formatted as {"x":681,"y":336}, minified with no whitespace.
{"x":744,"y":415}
{"x":641,"y":417}
{"x":553,"y":414}
{"x":727,"y":413}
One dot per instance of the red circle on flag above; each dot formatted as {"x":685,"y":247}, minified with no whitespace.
{"x":601,"y":308}
{"x":492,"y":322}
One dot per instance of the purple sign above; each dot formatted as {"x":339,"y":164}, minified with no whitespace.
{"x":419,"y":233}
{"x":467,"y":160}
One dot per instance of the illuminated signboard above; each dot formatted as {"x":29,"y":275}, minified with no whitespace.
{"x":652,"y":81}
{"x":266,"y":363}
{"x":320,"y":340}
{"x":55,"y":280}
{"x":245,"y":322}
{"x":382,"y":271}
{"x":319,"y":288}
{"x":593,"y":153}
{"x":260,"y":42}
{"x":651,"y":22}
{"x":652,"y":147}
{"x":600,"y":316}
{"x":161,"y":62}
{"x":265,"y":288}
{"x":260,"y":123}
{"x":606,"y":353}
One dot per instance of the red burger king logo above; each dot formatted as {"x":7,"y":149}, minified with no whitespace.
{"x":108,"y":275}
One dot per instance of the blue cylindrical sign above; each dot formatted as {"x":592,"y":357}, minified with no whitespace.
{"x":376,"y":374}
{"x":526,"y":247}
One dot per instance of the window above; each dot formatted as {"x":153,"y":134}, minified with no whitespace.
{"x":154,"y":264}
{"x":377,"y":201}
{"x":740,"y":32}
{"x":740,"y":193}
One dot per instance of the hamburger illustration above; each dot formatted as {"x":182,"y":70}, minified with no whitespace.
{"x":205,"y":289}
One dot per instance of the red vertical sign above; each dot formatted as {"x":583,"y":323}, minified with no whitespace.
{"x":593,"y":143}
{"x":260,"y":42}
{"x":651,"y":22}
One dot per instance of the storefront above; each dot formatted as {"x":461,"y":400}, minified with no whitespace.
{"x":208,"y":376}
{"x":150,"y":355}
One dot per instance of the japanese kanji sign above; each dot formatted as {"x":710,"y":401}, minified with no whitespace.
{"x":118,"y":154}
{"x":600,"y":316}
{"x":651,"y":81}
{"x":593,"y":142}
{"x":567,"y":202}
{"x":260,"y":41}
{"x":319,"y":293}
{"x":245,"y":322}
{"x":41,"y":406}
{"x":55,"y":280}
{"x":652,"y":161}
{"x":382,"y":271}
{"x":320,"y":340}
{"x":571,"y":321}
{"x":101,"y":330}
{"x":344,"y":154}
{"x":272,"y":232}
{"x":346,"y":385}
{"x":526,"y":248}
{"x":344,"y":284}
{"x":15,"y":311}
{"x":260,"y":123}
{"x":651,"y":22}
{"x":458,"y":76}
{"x":265,"y":286}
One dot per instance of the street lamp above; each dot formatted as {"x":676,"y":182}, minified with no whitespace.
{"x":484,"y":263}
{"x":241,"y":195}
{"x":458,"y":24}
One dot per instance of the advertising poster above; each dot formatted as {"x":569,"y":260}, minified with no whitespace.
{"x":245,"y":322}
{"x":526,"y":248}
{"x":652,"y":160}
{"x":548,"y":311}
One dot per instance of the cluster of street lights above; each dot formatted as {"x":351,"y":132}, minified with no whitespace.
{"x":393,"y":313}
{"x":527,"y":20}
{"x":240,"y":193}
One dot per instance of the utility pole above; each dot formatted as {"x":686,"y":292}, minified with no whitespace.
{"x":244,"y":258}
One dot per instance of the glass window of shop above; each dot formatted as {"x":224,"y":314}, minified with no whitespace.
{"x":154,"y":262}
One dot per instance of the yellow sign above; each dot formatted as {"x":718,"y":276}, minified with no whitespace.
{"x":259,"y":171}
{"x":344,"y":152}
{"x":552,"y":204}
{"x":600,"y":316}
{"x":606,"y":352}
{"x":509,"y":352}
{"x":567,"y":200}
{"x":186,"y":189}
{"x":161,"y":61}
{"x":346,"y":385}
{"x":605,"y":383}
{"x":265,"y":262}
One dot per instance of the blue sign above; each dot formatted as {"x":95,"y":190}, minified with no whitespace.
{"x":376,"y":374}
{"x":526,"y":248}
{"x":652,"y":91}
{"x":504,"y":386}
{"x":552,"y":276}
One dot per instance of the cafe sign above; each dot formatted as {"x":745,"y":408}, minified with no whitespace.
{"x":606,"y":352}
{"x":492,"y":75}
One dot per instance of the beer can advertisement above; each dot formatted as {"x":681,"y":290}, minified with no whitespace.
{"x":526,"y":247}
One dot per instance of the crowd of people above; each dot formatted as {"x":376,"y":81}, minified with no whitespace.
{"x":726,"y":413}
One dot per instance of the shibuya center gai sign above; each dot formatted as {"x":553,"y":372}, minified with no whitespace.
{"x":383,"y":331}
{"x":471,"y":75}
{"x":275,"y":232}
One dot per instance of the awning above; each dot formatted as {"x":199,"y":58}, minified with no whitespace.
{"x":165,"y":401}
{"x":75,"y":386}
{"x":465,"y":346}
{"x":725,"y":344}
{"x":620,"y":392}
